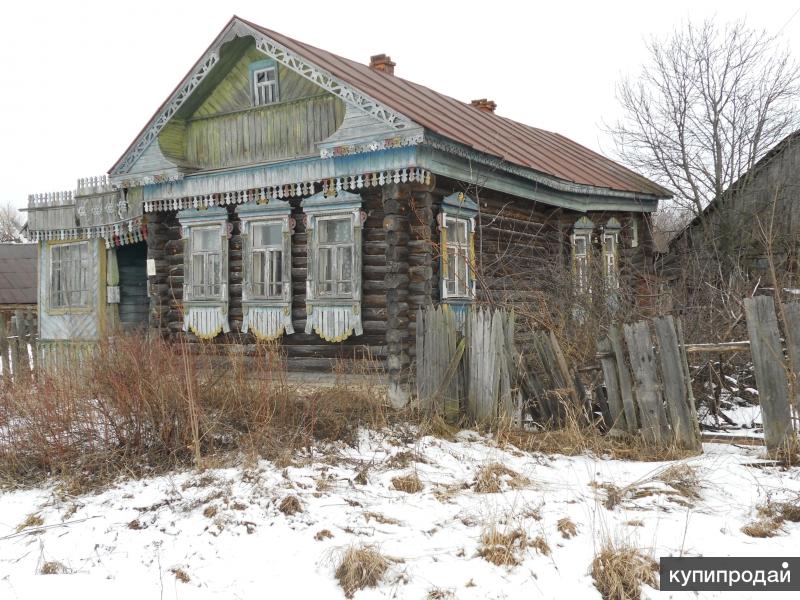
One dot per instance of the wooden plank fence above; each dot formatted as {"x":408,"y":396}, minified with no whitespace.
{"x":648,"y":385}
{"x":18,"y":335}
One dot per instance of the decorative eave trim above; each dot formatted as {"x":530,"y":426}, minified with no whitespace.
{"x":440,"y":143}
{"x":292,"y":61}
{"x":125,"y":232}
{"x":291,"y":189}
{"x":372,"y":146}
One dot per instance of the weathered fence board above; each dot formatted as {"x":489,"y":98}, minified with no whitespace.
{"x":676,"y":386}
{"x":624,"y":378}
{"x":770,"y":368}
{"x":648,"y":390}
{"x":614,"y":397}
{"x":791,"y":312}
{"x":18,"y":333}
{"x":439,"y":375}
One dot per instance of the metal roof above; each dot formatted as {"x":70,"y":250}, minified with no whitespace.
{"x":540,"y":150}
{"x":18,"y":265}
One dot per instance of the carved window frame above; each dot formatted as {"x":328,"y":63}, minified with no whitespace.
{"x":267,"y":317}
{"x":611,"y":233}
{"x":457,"y":209}
{"x":341,"y":309}
{"x":581,"y":248}
{"x":215,"y":219}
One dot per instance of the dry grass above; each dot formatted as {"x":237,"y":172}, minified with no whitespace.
{"x":360,"y":567}
{"x":380,"y":518}
{"x":781,"y":511}
{"x":180,"y":574}
{"x":31,"y":521}
{"x":323,"y":534}
{"x":567,"y":528}
{"x":503,"y":549}
{"x":575,"y":439}
{"x":53,"y":567}
{"x":141,"y":405}
{"x":440,"y":594}
{"x":682,"y":481}
{"x":540,"y":545}
{"x":619,"y":570}
{"x":762,"y":528}
{"x":494,"y":477}
{"x":410,"y":484}
{"x":290,"y":505}
{"x":403,"y":459}
{"x":209,"y":512}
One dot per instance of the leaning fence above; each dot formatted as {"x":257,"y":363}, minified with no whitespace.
{"x":18,"y":335}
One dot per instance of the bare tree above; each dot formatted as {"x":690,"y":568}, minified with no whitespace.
{"x":10,"y":224}
{"x":708,"y":104}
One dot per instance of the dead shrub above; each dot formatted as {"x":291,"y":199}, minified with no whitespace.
{"x":53,"y":567}
{"x":360,"y":567}
{"x":290,"y":505}
{"x":410,"y":484}
{"x":567,"y":528}
{"x":503,"y":549}
{"x":620,"y":569}
{"x":139,"y":404}
{"x":494,"y":477}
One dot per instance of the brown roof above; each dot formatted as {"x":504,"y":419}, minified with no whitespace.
{"x":18,"y":273}
{"x":540,"y":150}
{"x":548,"y":153}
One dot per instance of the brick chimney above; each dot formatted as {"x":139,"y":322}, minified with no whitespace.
{"x":382,"y":63}
{"x":484,"y":105}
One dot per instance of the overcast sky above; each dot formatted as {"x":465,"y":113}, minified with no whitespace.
{"x":79,"y":80}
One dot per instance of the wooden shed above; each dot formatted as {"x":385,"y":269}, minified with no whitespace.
{"x":284,"y":193}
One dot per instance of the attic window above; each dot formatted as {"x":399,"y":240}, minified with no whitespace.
{"x":265,"y":85}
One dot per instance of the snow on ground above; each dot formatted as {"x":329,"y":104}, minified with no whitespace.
{"x":224,"y":531}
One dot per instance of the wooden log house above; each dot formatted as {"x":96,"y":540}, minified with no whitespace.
{"x":284,"y":193}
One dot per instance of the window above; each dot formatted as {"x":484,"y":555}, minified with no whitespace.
{"x":611,"y":253}
{"x":334,"y":268}
{"x":266,"y":227}
{"x":205,"y":270}
{"x":457,"y":225}
{"x":582,"y":254}
{"x":206,"y":263}
{"x":333,"y":285}
{"x":458,"y":272}
{"x":265,"y":85}
{"x":69,"y":286}
{"x":267,"y":260}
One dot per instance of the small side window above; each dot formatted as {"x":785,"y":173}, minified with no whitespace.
{"x":265,"y":85}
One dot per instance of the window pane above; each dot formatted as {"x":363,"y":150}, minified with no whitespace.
{"x":258,"y":274}
{"x":267,"y":234}
{"x":335,"y":230}
{"x":206,"y":239}
{"x":346,"y":263}
{"x":580,"y":246}
{"x":461,"y":274}
{"x":459,"y":230}
{"x":275,"y":272}
{"x":325,"y":272}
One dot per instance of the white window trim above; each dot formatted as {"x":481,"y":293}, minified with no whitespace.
{"x":611,"y":259}
{"x":220,"y":229}
{"x":447,"y":243}
{"x":270,"y":88}
{"x":83,"y":265}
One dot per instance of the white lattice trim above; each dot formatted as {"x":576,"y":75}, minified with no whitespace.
{"x":291,"y":190}
{"x":268,"y":322}
{"x":206,"y":322}
{"x":116,"y":234}
{"x":334,"y":323}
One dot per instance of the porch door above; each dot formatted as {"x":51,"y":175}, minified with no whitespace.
{"x":133,"y":303}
